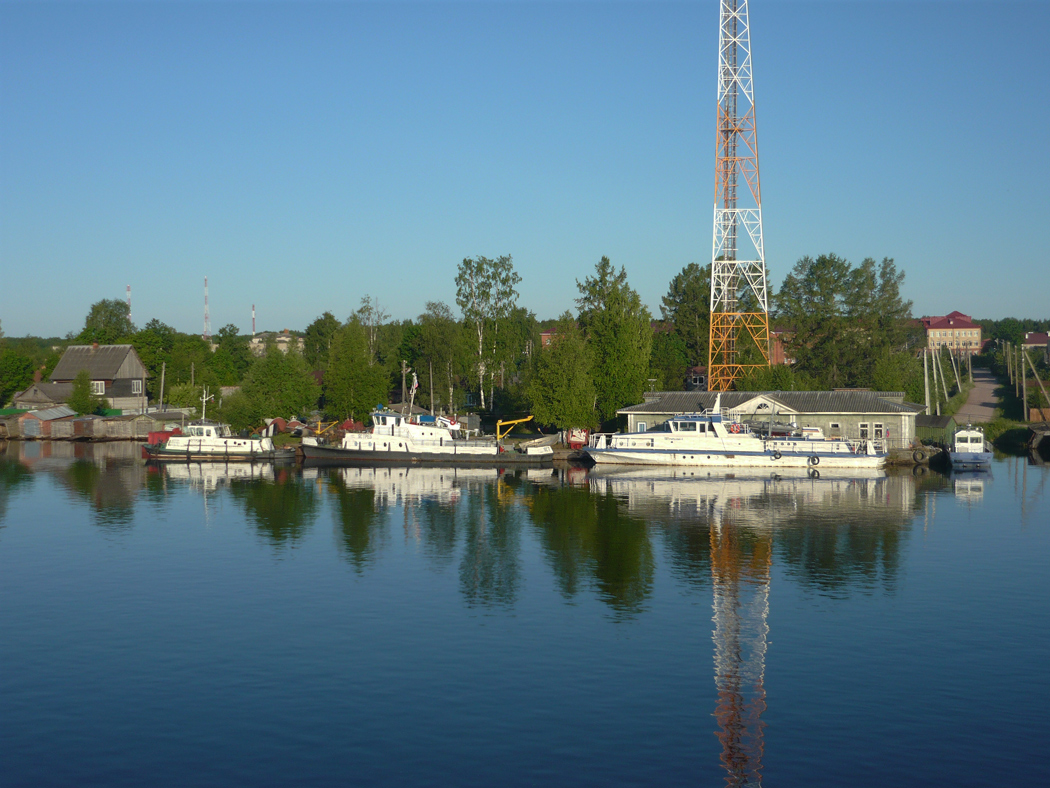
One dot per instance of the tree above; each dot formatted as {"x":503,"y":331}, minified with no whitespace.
{"x":620,"y":336}
{"x":440,"y":337}
{"x":560,"y":390}
{"x":154,"y":344}
{"x":108,"y":323}
{"x":687,"y":306}
{"x":16,"y":373}
{"x":352,"y":385}
{"x":669,"y":361}
{"x":83,"y":400}
{"x":279,"y":384}
{"x":232,"y":354}
{"x":485,"y":292}
{"x":317,"y":341}
{"x":372,"y":316}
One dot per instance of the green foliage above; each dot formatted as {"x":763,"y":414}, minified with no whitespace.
{"x":352,"y":385}
{"x":317,"y":341}
{"x":687,"y":306}
{"x":16,"y":373}
{"x":618,"y":330}
{"x":485,"y":292}
{"x":442,"y":348}
{"x":560,"y":390}
{"x":778,"y":377}
{"x":844,"y":321}
{"x":669,"y":361}
{"x":184,"y":395}
{"x":82,"y":400}
{"x":279,"y":384}
{"x":232,"y":358}
{"x":107,"y":323}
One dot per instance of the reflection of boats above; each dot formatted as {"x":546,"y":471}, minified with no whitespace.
{"x":395,"y":485}
{"x":212,"y":475}
{"x":207,"y":440}
{"x":396,"y":439}
{"x":969,"y":485}
{"x":715,"y":439}
{"x":969,"y":449}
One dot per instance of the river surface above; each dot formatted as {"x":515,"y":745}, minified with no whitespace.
{"x":204,"y":626}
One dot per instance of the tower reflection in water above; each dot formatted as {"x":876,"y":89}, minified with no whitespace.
{"x":817,"y":523}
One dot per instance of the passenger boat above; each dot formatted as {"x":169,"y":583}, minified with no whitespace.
{"x":397,"y":439}
{"x":213,"y":442}
{"x":714,"y":438}
{"x":969,"y":450}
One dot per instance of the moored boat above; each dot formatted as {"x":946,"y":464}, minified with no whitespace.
{"x":714,"y":438}
{"x":397,"y":439}
{"x":211,"y":441}
{"x":970,"y":451}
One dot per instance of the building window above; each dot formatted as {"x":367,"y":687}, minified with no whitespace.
{"x":878,"y":431}
{"x":864,"y":430}
{"x":136,"y":387}
{"x":642,"y":426}
{"x":834,"y":425}
{"x":98,"y":387}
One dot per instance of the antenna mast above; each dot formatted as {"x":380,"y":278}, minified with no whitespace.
{"x":253,"y":321}
{"x":206,"y":336}
{"x":739,"y":303}
{"x":129,"y":303}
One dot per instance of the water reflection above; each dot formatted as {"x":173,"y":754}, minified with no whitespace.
{"x":281,"y":508}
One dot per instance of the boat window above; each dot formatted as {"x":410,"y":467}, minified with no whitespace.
{"x":702,"y":427}
{"x":687,"y":426}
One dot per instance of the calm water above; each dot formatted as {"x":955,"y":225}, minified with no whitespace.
{"x":193,"y":626}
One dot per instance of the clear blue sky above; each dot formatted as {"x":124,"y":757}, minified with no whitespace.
{"x":302,"y":155}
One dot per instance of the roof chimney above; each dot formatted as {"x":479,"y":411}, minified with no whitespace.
{"x":36,"y":375}
{"x":94,"y":345}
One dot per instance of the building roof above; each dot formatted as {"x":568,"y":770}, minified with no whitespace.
{"x":50,"y":414}
{"x":102,"y":362}
{"x":1036,"y":339}
{"x":950,"y":320}
{"x":45,"y":393}
{"x":675,"y":402}
{"x":934,"y":422}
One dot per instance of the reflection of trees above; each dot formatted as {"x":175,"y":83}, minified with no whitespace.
{"x":281,"y":510}
{"x":589,"y":537}
{"x":357,"y":518}
{"x":110,"y":490}
{"x":12,"y":475}
{"x":489,"y":571}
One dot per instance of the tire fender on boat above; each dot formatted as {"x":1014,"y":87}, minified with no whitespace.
{"x":919,"y":455}
{"x":814,"y":459}
{"x":776,"y":454}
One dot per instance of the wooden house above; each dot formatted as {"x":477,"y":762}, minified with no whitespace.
{"x":117,"y":373}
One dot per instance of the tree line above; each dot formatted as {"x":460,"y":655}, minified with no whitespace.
{"x":842,"y":326}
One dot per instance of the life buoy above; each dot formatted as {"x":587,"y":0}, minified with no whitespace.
{"x":734,"y":428}
{"x":814,"y":459}
{"x":776,"y":454}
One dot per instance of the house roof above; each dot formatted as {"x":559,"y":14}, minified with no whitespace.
{"x":50,"y":414}
{"x":102,"y":362}
{"x":1036,"y":339}
{"x":934,"y":422}
{"x":45,"y":393}
{"x":675,"y":402}
{"x":951,"y":320}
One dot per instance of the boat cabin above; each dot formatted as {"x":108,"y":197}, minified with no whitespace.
{"x":968,"y":441}
{"x":208,"y":431}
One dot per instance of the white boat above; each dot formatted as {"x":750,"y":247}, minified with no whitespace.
{"x":397,"y":439}
{"x":211,"y":441}
{"x":714,"y":438}
{"x":970,"y":450}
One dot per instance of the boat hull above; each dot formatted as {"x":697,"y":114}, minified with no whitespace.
{"x":335,"y":455}
{"x":970,"y":460}
{"x":155,"y":453}
{"x":736,"y":459}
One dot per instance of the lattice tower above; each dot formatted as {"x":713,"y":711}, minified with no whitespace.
{"x":739,"y":302}
{"x":206,"y":336}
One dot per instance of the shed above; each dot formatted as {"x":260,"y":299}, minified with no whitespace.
{"x":936,"y":430}
{"x":39,"y":423}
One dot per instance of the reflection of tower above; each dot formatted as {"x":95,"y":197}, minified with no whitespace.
{"x":738,"y":267}
{"x":740,"y":579}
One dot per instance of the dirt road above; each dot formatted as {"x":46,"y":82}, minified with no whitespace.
{"x":981,"y":404}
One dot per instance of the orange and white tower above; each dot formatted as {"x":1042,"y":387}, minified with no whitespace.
{"x":739,"y":302}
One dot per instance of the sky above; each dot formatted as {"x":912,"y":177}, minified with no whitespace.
{"x":303,"y":155}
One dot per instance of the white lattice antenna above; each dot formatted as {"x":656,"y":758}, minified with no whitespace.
{"x":206,"y":336}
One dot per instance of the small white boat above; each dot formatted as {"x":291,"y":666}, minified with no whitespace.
{"x":969,"y":450}
{"x":211,"y":441}
{"x":714,"y":438}
{"x":397,"y":439}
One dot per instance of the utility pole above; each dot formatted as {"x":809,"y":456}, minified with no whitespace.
{"x":936,"y":391}
{"x":738,"y":263}
{"x":1024,"y":387}
{"x":926,"y":380}
{"x":163,"y":369}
